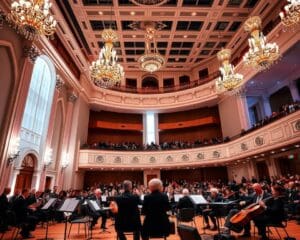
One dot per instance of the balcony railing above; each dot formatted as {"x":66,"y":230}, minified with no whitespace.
{"x":278,"y":134}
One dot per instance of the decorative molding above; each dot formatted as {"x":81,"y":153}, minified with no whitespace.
{"x":297,"y":125}
{"x":72,"y":97}
{"x":118,"y":160}
{"x":278,"y":134}
{"x":244,"y":146}
{"x":259,"y":141}
{"x":59,"y":84}
{"x":32,"y":53}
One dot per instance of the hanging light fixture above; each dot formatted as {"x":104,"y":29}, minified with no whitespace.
{"x":32,"y":18}
{"x":149,"y":2}
{"x":105,"y":71}
{"x":151,"y":61}
{"x":228,"y":80}
{"x":261,"y":55}
{"x":290,"y":16}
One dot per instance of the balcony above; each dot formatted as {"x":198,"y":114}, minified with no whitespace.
{"x":279,"y":134}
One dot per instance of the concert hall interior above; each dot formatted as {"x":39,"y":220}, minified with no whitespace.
{"x":177,"y":119}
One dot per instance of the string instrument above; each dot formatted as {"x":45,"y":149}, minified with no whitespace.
{"x":245,"y":215}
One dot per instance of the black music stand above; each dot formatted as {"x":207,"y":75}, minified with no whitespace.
{"x":69,"y":206}
{"x":45,"y":208}
{"x":95,"y":208}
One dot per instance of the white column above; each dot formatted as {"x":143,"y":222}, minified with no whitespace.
{"x":243,"y":111}
{"x":150,"y":128}
{"x":267,"y":106}
{"x":294,"y":91}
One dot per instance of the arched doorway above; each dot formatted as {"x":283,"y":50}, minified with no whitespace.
{"x":150,"y":82}
{"x":24,"y":178}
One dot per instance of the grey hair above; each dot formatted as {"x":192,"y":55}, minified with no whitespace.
{"x":155,"y":184}
{"x":127,"y":185}
{"x":185,"y":192}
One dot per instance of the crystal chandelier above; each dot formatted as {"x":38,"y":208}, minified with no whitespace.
{"x":32,"y":18}
{"x":151,"y":61}
{"x":105,"y":71}
{"x":149,"y":2}
{"x":290,"y":16}
{"x":228,"y":80}
{"x":261,"y":55}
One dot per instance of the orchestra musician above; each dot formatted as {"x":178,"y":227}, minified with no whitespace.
{"x":100,"y":213}
{"x":23,"y":216}
{"x":4,"y":210}
{"x":185,"y":201}
{"x":212,"y":213}
{"x":257,"y":196}
{"x":274,"y":211}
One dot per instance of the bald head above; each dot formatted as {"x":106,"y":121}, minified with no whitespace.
{"x":185,"y":192}
{"x":98,"y":192}
{"x":257,"y":188}
{"x":155,"y":184}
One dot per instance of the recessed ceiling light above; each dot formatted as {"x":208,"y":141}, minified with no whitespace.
{"x":132,"y":13}
{"x":262,"y":154}
{"x":134,"y":36}
{"x":185,"y":36}
{"x":252,"y":82}
{"x":100,"y":13}
{"x":194,"y":13}
{"x":272,"y":152}
{"x":283,"y":149}
{"x":255,"y":156}
{"x":177,"y":59}
{"x":297,"y":145}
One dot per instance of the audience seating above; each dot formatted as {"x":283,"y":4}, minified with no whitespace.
{"x":188,"y":233}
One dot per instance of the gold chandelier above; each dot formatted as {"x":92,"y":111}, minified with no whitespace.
{"x":261,"y":55}
{"x":105,"y":71}
{"x":32,"y":18}
{"x":151,"y":61}
{"x":228,"y":80}
{"x":290,"y":16}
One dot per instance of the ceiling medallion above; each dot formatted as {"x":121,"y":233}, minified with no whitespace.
{"x":151,"y":61}
{"x":261,"y":55}
{"x":105,"y":71}
{"x":290,"y":16}
{"x":32,"y":18}
{"x":149,"y":2}
{"x":228,"y":80}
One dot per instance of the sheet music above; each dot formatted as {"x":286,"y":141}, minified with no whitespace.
{"x":95,"y":205}
{"x":69,"y":205}
{"x":104,"y":198}
{"x":49,"y":203}
{"x":198,"y":199}
{"x":142,"y":197}
{"x":177,"y":197}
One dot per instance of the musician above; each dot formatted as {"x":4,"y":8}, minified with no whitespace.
{"x":155,"y":207}
{"x":4,"y":210}
{"x":257,"y":196}
{"x":100,"y":213}
{"x":293,"y":198}
{"x":274,"y":211}
{"x":212,"y":213}
{"x":20,"y":208}
{"x":185,"y":201}
{"x":128,"y":214}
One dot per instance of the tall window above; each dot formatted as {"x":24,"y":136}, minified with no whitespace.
{"x":150,"y":128}
{"x":40,"y":96}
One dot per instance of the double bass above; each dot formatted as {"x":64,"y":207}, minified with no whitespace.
{"x":245,"y":215}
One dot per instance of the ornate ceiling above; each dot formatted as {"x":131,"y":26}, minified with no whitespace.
{"x":194,"y":30}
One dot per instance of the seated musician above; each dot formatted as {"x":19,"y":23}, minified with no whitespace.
{"x":101,"y":213}
{"x":185,"y":201}
{"x":23,"y":217}
{"x":293,"y":199}
{"x":128,"y":214}
{"x":274,"y":211}
{"x":257,"y":196}
{"x":4,"y":210}
{"x":212,"y":213}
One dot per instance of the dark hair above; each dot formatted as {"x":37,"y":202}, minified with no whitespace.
{"x":278,"y":188}
{"x":25,"y":190}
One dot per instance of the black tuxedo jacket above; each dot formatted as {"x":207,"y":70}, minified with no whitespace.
{"x":275,"y":209}
{"x":155,"y":207}
{"x":128,"y":216}
{"x":20,"y":209}
{"x":185,"y":202}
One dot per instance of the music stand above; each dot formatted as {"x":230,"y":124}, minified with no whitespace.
{"x":96,"y":208}
{"x":68,"y":206}
{"x":47,"y":207}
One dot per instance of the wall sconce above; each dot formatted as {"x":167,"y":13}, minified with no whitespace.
{"x":48,"y":157}
{"x":65,"y":160}
{"x":14,"y":150}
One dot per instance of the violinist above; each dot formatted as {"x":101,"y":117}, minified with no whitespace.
{"x":257,"y":196}
{"x":274,"y":211}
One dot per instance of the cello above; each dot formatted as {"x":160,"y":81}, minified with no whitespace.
{"x":245,"y":215}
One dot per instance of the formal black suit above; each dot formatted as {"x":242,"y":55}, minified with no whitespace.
{"x":156,"y":223}
{"x":212,"y":212}
{"x":185,"y":202}
{"x":253,"y":198}
{"x":274,"y":213}
{"x":128,"y":216}
{"x":28,"y":222}
{"x":100,"y":213}
{"x":4,"y":207}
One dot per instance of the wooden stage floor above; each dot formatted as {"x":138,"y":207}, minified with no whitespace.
{"x":56,"y":232}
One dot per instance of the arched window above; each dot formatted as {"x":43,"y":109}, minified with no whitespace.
{"x":40,"y":96}
{"x":150,"y":82}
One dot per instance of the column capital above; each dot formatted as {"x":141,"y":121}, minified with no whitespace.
{"x":32,"y":53}
{"x":59,"y":83}
{"x":72,"y":96}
